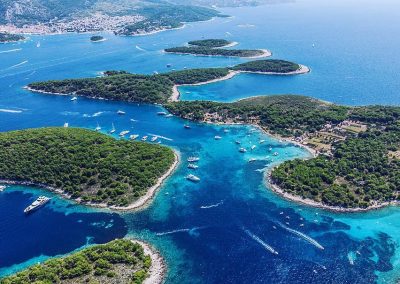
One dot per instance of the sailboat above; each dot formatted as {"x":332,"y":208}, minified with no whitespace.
{"x":112,"y":129}
{"x":98,"y":128}
{"x":38,"y":44}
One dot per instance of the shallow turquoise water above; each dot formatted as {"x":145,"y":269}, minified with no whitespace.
{"x":210,"y":232}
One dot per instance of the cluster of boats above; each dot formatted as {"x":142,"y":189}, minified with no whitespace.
{"x":193,"y":166}
{"x":131,"y":137}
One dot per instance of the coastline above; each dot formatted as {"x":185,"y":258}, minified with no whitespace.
{"x":139,"y":204}
{"x":265,"y":53}
{"x":158,"y":268}
{"x":232,"y":73}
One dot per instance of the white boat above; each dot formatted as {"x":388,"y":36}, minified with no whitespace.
{"x":237,"y":142}
{"x":262,"y":141}
{"x":192,"y":178}
{"x":217,"y":137}
{"x":74,"y":98}
{"x":161,"y":113}
{"x":226,"y":130}
{"x":66,"y":124}
{"x":144,"y":138}
{"x":133,"y":136}
{"x":169,"y":115}
{"x":155,"y":73}
{"x":186,"y":126}
{"x":242,"y":150}
{"x":123,"y":133}
{"x":121,"y":112}
{"x":252,"y":160}
{"x":153,"y":139}
{"x":98,"y":128}
{"x":193,"y":166}
{"x":270,"y":149}
{"x":2,"y":188}
{"x":193,"y":159}
{"x":37,"y":203}
{"x":38,"y":44}
{"x":112,"y":129}
{"x":276,"y":154}
{"x":253,"y":147}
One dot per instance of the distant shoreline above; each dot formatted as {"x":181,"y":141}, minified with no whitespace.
{"x":232,"y":73}
{"x":139,"y":204}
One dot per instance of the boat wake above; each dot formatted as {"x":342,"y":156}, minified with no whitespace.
{"x":190,"y":231}
{"x":139,"y":48}
{"x":261,"y":242}
{"x":16,"y":65}
{"x":303,"y":236}
{"x":212,"y":205}
{"x":96,"y":114}
{"x":11,"y":50}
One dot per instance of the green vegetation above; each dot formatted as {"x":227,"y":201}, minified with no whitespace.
{"x":284,"y":115}
{"x":120,"y":85}
{"x":270,"y":65}
{"x":210,"y":42}
{"x":215,"y":51}
{"x":87,"y":165}
{"x":96,"y":38}
{"x":6,"y":37}
{"x":167,"y":16}
{"x":119,"y":261}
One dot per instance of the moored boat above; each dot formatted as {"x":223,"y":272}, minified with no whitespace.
{"x":242,"y":150}
{"x":193,"y":159}
{"x":153,"y":139}
{"x":217,"y":137}
{"x":133,"y":136}
{"x":121,"y":112}
{"x":192,"y":178}
{"x":74,"y":98}
{"x":37,"y":203}
{"x":112,"y":129}
{"x":144,"y":138}
{"x":123,"y":133}
{"x":193,"y":166}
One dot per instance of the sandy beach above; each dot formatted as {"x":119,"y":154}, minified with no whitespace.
{"x":139,"y":204}
{"x":158,"y":268}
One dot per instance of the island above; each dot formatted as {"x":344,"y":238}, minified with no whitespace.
{"x":213,"y":47}
{"x":7,"y":37}
{"x":119,"y":261}
{"x":86,"y":166}
{"x":356,"y":161}
{"x":158,"y":88}
{"x":97,"y":38}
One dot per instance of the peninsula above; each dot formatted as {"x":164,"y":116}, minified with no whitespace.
{"x":86,"y":166}
{"x":119,"y":261}
{"x":357,"y":163}
{"x":214,"y":47}
{"x":7,"y":37}
{"x":158,"y":88}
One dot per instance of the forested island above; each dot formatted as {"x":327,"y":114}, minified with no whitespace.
{"x":121,"y":85}
{"x":119,"y":261}
{"x":358,"y":166}
{"x":211,"y":43}
{"x":213,"y":47}
{"x":84,"y":165}
{"x":7,"y":37}
{"x":96,"y":38}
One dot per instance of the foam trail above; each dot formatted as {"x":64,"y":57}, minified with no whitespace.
{"x":19,"y":64}
{"x":261,"y":242}
{"x":179,"y":231}
{"x":11,"y":50}
{"x":139,"y":48}
{"x":212,"y":205}
{"x":10,"y":110}
{"x":159,"y":136}
{"x":303,"y":236}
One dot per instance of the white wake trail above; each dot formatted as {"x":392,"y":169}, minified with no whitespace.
{"x":261,"y":242}
{"x":303,"y":236}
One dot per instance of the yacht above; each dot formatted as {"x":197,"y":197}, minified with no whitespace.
{"x":155,"y":73}
{"x":161,"y":113}
{"x":2,"y":188}
{"x":192,"y":166}
{"x":253,"y":147}
{"x":169,"y":115}
{"x":66,"y":124}
{"x":133,"y":136}
{"x":262,"y":141}
{"x":270,"y":149}
{"x":237,"y":142}
{"x":276,"y":154}
{"x":242,"y":150}
{"x":217,"y":137}
{"x":74,"y":98}
{"x":252,"y":160}
{"x":144,"y":138}
{"x":187,"y":126}
{"x":153,"y":139}
{"x":121,"y":112}
{"x":123,"y":133}
{"x":112,"y":129}
{"x":193,"y":159}
{"x":192,"y":178}
{"x":98,"y":128}
{"x":37,"y":203}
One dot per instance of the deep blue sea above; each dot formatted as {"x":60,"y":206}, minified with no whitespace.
{"x":222,"y":229}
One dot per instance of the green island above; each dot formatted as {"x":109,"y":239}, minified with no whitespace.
{"x":357,"y":166}
{"x":165,"y":16}
{"x":119,"y":261}
{"x":7,"y":37}
{"x":212,"y":47}
{"x":123,"y":86}
{"x":86,"y":166}
{"x":210,"y":42}
{"x":96,"y":38}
